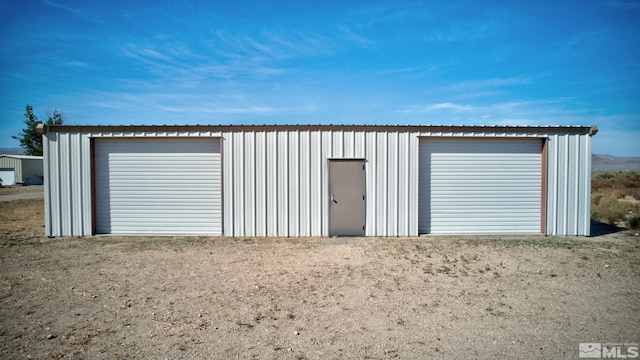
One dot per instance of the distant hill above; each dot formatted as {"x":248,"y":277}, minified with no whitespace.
{"x":604,"y":162}
{"x":12,"y":151}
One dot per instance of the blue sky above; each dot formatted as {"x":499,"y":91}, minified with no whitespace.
{"x":339,"y":62}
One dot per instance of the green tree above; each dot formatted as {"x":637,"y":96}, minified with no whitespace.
{"x":30,"y":139}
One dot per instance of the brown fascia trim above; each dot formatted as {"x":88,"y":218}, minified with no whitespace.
{"x":371,"y":128}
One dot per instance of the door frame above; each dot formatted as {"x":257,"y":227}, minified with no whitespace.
{"x":363,"y":161}
{"x":544,"y":173}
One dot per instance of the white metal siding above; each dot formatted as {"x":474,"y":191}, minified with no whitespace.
{"x":569,"y":185}
{"x":158,"y":186}
{"x":275,"y":182}
{"x":258,"y":171}
{"x":480,"y":186}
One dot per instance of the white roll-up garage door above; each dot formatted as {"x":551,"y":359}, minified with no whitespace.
{"x":158,"y":186}
{"x":480,"y":186}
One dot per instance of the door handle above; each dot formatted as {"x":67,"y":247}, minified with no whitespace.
{"x":333,"y":199}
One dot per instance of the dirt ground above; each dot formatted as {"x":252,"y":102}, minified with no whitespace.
{"x":19,"y":189}
{"x":310,"y":298}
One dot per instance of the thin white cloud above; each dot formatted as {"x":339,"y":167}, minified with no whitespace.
{"x":270,"y":46}
{"x":531,"y":112}
{"x":350,"y":36}
{"x":447,"y":106}
{"x":148,"y":51}
{"x":472,"y":30}
{"x":70,"y":9}
{"x":397,"y":71}
{"x":625,"y":5}
{"x":491,"y":83}
{"x":63,"y":7}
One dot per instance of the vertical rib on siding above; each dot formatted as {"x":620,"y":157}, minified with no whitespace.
{"x":282,"y":183}
{"x":304,"y":170}
{"x":326,"y":152}
{"x":272,"y":183}
{"x":315,"y":188}
{"x":48,"y":179}
{"x":227,"y":184}
{"x":414,"y":190}
{"x":294,"y":185}
{"x":381,"y":188}
{"x":370,"y":184}
{"x":403,"y":181}
{"x":392,"y":184}
{"x":249,"y":203}
{"x":260,"y":184}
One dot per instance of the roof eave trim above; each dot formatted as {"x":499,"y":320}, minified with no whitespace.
{"x":388,"y":128}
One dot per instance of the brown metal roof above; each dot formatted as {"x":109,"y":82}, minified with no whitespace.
{"x":591,"y":130}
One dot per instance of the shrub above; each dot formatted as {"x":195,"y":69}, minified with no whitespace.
{"x":595,"y":199}
{"x":633,"y":222}
{"x":609,"y":190}
{"x":609,"y":210}
{"x":618,"y":194}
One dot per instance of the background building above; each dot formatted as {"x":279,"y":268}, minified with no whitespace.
{"x":22,"y":167}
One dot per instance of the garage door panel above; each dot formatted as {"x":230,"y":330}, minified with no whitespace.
{"x":158,"y":186}
{"x":480,"y":186}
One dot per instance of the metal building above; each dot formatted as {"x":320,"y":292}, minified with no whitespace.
{"x":317,"y":180}
{"x":21,"y":167}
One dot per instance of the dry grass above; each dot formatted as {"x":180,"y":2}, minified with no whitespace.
{"x":18,"y":189}
{"x":615,"y":198}
{"x":21,"y":220}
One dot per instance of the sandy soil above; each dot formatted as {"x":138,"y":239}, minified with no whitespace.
{"x":314,"y":298}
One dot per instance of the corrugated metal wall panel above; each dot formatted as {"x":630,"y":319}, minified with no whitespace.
{"x":50,"y":197}
{"x":294,"y":185}
{"x":238,"y":181}
{"x":370,"y":184}
{"x":315,"y":189}
{"x":250,"y":179}
{"x":569,"y":185}
{"x":66,"y":183}
{"x":305,"y":183}
{"x":392,"y":183}
{"x":272,"y":183}
{"x":414,"y":190}
{"x":282,"y":182}
{"x":381,"y":186}
{"x":480,"y":186}
{"x":260,"y":184}
{"x":227,"y":184}
{"x":327,"y":152}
